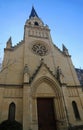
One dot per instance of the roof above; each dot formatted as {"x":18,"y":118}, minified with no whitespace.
{"x":80,"y":75}
{"x":33,"y":13}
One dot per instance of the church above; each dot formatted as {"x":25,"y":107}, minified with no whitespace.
{"x":39,"y":86}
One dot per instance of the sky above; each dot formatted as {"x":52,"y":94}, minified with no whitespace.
{"x":64,"y":18}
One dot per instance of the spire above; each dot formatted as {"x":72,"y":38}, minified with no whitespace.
{"x":9,"y":40}
{"x":9,"y":43}
{"x":33,"y":13}
{"x":65,"y":50}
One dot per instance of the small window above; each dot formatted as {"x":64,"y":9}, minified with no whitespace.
{"x":11,"y":114}
{"x":36,"y":23}
{"x":76,"y":112}
{"x":29,"y":23}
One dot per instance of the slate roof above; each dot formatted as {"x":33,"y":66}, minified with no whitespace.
{"x":33,"y":13}
{"x":80,"y":75}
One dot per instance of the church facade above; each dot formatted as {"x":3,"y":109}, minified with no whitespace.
{"x":39,"y":87}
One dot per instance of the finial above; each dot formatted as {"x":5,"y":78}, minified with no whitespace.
{"x":32,"y":5}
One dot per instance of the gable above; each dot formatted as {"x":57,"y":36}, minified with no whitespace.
{"x":43,"y":72}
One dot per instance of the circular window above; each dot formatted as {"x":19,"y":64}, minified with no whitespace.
{"x":39,"y":49}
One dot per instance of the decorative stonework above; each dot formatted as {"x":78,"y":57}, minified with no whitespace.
{"x":49,"y":82}
{"x":40,"y":48}
{"x":38,"y":33}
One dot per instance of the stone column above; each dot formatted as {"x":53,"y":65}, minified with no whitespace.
{"x":34,"y":114}
{"x":65,"y":101}
{"x":26,"y":107}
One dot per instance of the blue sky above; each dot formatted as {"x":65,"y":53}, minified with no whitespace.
{"x":64,"y":18}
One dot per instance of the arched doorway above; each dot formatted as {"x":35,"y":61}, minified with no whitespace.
{"x":48,"y":102}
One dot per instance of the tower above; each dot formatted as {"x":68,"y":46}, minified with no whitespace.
{"x":38,"y":82}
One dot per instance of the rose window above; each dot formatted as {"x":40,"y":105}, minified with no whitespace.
{"x":39,"y":49}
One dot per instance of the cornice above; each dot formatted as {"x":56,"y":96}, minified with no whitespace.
{"x":11,"y":85}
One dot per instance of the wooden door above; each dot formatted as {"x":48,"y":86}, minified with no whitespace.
{"x":46,"y":116}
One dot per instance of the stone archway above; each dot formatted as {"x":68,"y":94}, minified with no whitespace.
{"x":48,"y":88}
{"x":53,"y":86}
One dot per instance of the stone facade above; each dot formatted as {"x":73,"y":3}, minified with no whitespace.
{"x":36,"y":68}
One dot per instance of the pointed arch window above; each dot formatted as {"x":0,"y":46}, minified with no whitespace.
{"x":11,"y":114}
{"x":76,"y":112}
